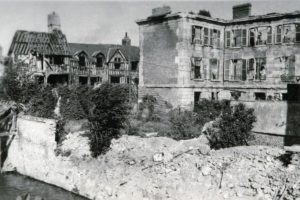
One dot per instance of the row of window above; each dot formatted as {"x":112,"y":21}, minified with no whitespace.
{"x":236,"y":96}
{"x":286,"y":33}
{"x":241,"y":69}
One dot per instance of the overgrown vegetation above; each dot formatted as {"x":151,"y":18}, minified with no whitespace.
{"x":204,"y":13}
{"x":109,"y":116}
{"x":233,"y":127}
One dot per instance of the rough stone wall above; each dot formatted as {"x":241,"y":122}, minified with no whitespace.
{"x":158,"y":51}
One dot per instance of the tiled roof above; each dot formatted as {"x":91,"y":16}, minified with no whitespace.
{"x":45,"y":43}
{"x":106,"y":49}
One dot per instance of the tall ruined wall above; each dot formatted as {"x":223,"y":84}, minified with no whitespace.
{"x":158,"y":51}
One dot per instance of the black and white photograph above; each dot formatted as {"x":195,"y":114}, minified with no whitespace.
{"x":149,"y":100}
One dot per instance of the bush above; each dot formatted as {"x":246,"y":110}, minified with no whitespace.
{"x":182,"y":125}
{"x":208,"y":110}
{"x":108,"y":117}
{"x":234,"y":126}
{"x":42,"y":103}
{"x":72,"y":105}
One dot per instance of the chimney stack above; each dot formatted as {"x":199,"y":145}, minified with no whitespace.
{"x":241,"y":11}
{"x":161,"y":11}
{"x":126,"y":41}
{"x":53,"y":22}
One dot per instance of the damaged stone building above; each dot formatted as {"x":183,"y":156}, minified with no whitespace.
{"x":50,"y":59}
{"x":185,"y":57}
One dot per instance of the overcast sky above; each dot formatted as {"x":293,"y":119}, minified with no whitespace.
{"x":107,"y":22}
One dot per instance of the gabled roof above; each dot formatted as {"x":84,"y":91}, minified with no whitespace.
{"x":92,"y":50}
{"x":45,"y":43}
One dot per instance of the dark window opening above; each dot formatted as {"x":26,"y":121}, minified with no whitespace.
{"x":95,"y":80}
{"x":252,"y":37}
{"x":83,"y":80}
{"x":99,"y":61}
{"x":114,"y":79}
{"x":81,"y":61}
{"x":134,"y":66}
{"x":297,"y":32}
{"x":284,"y":96}
{"x":260,"y":96}
{"x":197,"y":96}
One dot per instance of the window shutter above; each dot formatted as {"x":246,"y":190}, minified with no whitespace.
{"x":226,"y":70}
{"x":244,"y":37}
{"x":244,"y":70}
{"x":269,"y":39}
{"x":193,"y":33}
{"x":211,"y":37}
{"x":228,"y":39}
{"x":192,"y":68}
{"x":205,"y":69}
{"x":291,"y":72}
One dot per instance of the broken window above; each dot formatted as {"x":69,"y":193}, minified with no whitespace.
{"x":197,"y":68}
{"x":297,"y":33}
{"x":252,"y":37}
{"x":260,"y":96}
{"x":250,"y":71}
{"x":197,"y":35}
{"x":262,"y":35}
{"x":214,"y":69}
{"x":260,"y":69}
{"x":206,"y":36}
{"x":288,"y":33}
{"x":235,"y":72}
{"x":228,"y":38}
{"x":237,"y":38}
{"x":288,"y":68}
{"x":278,"y":33}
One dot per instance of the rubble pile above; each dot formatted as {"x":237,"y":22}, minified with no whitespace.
{"x":161,"y":168}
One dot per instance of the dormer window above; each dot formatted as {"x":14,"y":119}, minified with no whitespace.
{"x":81,"y":61}
{"x":99,"y":61}
{"x":117,"y":63}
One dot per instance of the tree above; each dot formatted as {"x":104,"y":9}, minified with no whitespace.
{"x":111,"y":109}
{"x":204,"y":13}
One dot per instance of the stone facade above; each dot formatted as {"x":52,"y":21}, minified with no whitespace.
{"x":186,"y":57}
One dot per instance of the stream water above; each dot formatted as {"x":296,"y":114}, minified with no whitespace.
{"x":12,"y":185}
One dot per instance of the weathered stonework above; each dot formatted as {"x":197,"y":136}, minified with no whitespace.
{"x":168,"y":47}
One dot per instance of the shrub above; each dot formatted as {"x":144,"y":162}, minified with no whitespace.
{"x":42,"y":103}
{"x":108,"y":117}
{"x":208,"y":110}
{"x":234,"y":126}
{"x":70,"y":105}
{"x":182,"y":125}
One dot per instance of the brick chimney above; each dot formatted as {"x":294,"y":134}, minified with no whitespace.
{"x":241,"y":11}
{"x":161,"y":11}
